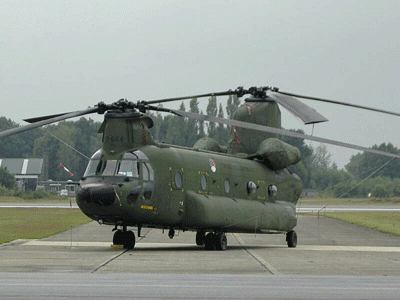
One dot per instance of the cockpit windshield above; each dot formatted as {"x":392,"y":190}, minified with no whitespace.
{"x":133,"y":164}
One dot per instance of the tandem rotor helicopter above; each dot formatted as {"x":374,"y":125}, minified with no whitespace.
{"x":134,"y":180}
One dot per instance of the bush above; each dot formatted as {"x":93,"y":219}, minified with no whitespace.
{"x":6,"y":179}
{"x":38,"y":194}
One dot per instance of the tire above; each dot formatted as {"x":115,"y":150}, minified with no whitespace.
{"x":129,"y":240}
{"x":200,"y":237}
{"x":221,"y":242}
{"x":291,"y":239}
{"x":118,"y":237}
{"x":209,"y":241}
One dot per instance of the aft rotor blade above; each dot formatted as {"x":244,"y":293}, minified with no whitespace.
{"x":230,"y":92}
{"x":48,"y":121}
{"x":340,"y":103}
{"x":201,"y":117}
{"x":307,"y":114}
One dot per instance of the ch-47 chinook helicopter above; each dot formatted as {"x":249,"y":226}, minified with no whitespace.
{"x":135,"y":181}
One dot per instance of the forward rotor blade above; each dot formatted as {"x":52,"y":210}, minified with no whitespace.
{"x":307,"y":114}
{"x":340,"y":103}
{"x":201,"y":117}
{"x":48,"y":121}
{"x":38,"y":119}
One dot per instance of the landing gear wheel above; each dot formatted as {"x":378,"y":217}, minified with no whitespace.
{"x":200,"y":237}
{"x":291,"y":239}
{"x":221,"y":242}
{"x":124,"y":238}
{"x":209,"y":241}
{"x":215,"y":241}
{"x":118,"y":237}
{"x":129,"y":240}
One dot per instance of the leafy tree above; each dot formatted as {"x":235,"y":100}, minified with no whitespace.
{"x":6,"y":179}
{"x":19,"y":145}
{"x":176,"y":133}
{"x":212,"y":110}
{"x":232,"y":105}
{"x":70,"y":143}
{"x":195,"y":129}
{"x":222,"y":131}
{"x":303,"y":168}
{"x":362,"y":164}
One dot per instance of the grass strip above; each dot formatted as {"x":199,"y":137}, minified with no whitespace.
{"x":36,"y":223}
{"x":388,"y":222}
{"x":347,"y":201}
{"x":58,"y":199}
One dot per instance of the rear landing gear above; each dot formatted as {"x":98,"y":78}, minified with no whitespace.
{"x":125,"y":238}
{"x":291,"y":239}
{"x":215,"y":241}
{"x":200,"y":237}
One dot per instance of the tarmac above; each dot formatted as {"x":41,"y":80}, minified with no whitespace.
{"x":325,"y":247}
{"x":333,"y":260}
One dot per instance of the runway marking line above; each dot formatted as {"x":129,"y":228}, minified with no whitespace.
{"x":98,"y":244}
{"x":167,"y":245}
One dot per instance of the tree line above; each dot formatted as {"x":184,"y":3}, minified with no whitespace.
{"x":73,"y":142}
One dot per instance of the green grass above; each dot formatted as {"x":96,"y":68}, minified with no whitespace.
{"x":36,"y":223}
{"x":57,"y":199}
{"x":348,"y":201}
{"x":388,"y":222}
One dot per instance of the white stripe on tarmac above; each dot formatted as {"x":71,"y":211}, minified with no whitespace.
{"x":100,"y":244}
{"x":38,"y":206}
{"x":344,"y":209}
{"x":167,"y":245}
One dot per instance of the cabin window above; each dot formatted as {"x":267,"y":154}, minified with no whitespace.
{"x":272,"y":191}
{"x":227,"y":185}
{"x":251,"y":188}
{"x":203,"y":182}
{"x":178,"y":180}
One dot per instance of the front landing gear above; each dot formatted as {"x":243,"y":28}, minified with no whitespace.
{"x":125,"y":238}
{"x":291,"y":239}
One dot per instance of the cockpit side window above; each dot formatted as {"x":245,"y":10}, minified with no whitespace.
{"x":129,"y":168}
{"x":109,"y":167}
{"x":149,"y":169}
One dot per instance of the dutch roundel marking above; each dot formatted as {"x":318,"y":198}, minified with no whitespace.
{"x":213,"y":165}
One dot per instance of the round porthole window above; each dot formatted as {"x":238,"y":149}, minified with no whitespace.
{"x":227,"y":186}
{"x":203,"y":182}
{"x":272,"y":190}
{"x":178,"y":180}
{"x":251,"y":187}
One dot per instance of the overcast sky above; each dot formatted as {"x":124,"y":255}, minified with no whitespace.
{"x":58,"y":56}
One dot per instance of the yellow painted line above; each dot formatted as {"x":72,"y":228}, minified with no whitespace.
{"x":116,"y":246}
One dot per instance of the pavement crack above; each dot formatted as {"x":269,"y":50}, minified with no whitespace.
{"x":109,"y":260}
{"x":118,"y":255}
{"x":258,"y":258}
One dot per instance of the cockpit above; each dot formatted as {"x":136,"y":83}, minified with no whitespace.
{"x":133,"y":165}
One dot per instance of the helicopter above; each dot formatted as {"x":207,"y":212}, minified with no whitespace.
{"x":246,"y":187}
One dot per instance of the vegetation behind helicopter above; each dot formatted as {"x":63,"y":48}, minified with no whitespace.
{"x":212,"y":189}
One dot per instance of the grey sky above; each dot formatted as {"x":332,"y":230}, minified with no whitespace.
{"x":58,"y":56}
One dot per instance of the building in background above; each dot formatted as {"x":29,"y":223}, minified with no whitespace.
{"x":26,"y":171}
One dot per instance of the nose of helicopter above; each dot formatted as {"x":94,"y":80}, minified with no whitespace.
{"x":96,"y":193}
